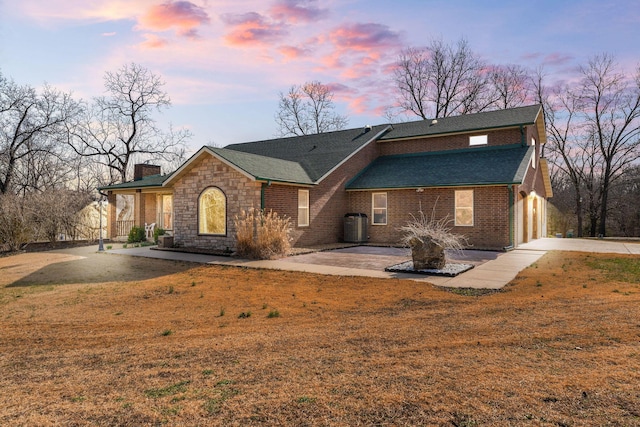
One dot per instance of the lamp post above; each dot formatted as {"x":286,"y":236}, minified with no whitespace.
{"x":100,"y":243}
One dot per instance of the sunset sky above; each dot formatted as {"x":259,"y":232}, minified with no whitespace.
{"x":225,"y":61}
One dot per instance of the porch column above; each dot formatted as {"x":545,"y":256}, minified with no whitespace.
{"x":138,"y":208}
{"x":112,"y":231}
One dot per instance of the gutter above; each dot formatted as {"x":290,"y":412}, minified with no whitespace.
{"x":413,"y":187}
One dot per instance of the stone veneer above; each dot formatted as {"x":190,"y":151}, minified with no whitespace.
{"x":241,"y":192}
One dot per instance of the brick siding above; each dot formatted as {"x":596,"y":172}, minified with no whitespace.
{"x":448,"y":142}
{"x":491,"y":213}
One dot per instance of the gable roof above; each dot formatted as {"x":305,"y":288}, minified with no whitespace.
{"x":317,"y":154}
{"x":306,"y":160}
{"x":263,"y":167}
{"x":147,"y":181}
{"x":511,"y":117}
{"x":303,"y":160}
{"x":506,"y":164}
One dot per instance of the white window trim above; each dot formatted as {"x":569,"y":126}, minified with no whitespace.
{"x":303,"y":220}
{"x":464,"y":207}
{"x":374,"y":208}
{"x":533,"y":159}
{"x":478,"y":140}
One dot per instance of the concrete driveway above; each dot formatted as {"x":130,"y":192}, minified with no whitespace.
{"x":584,"y":245}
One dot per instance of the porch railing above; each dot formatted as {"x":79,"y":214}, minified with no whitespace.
{"x":124,"y":227}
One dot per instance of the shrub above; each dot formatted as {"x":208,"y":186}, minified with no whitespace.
{"x":157,"y":233}
{"x":16,"y":222}
{"x":261,"y":235}
{"x":424,"y":227}
{"x":137,"y":234}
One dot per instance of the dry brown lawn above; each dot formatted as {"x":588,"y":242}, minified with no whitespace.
{"x":211,"y":345}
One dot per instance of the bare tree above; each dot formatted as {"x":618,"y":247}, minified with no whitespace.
{"x":564,"y":150}
{"x":32,"y":128}
{"x":510,"y":84}
{"x":441,"y":80}
{"x":308,"y":109}
{"x":611,"y":111}
{"x":120,"y":128}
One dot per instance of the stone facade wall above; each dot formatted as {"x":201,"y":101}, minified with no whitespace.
{"x":491,"y":213}
{"x":240,"y":191}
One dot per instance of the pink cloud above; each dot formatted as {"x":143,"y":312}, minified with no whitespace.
{"x":152,"y":41}
{"x":557,"y":58}
{"x":360,"y":50}
{"x":359,"y":104}
{"x":364,"y":37}
{"x":185,"y":16}
{"x":297,"y":11}
{"x":252,"y":28}
{"x":305,"y":49}
{"x":340,"y":89}
{"x":293,"y":52}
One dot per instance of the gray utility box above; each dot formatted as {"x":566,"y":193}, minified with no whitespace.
{"x":165,"y":241}
{"x":355,"y":227}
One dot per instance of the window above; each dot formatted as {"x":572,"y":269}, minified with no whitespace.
{"x":464,"y":208}
{"x":533,"y":141}
{"x":379,"y":202}
{"x":212,"y":212}
{"x":303,"y":208}
{"x":478,"y":140}
{"x":167,"y":212}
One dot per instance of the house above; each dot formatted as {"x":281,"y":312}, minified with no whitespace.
{"x":484,"y":171}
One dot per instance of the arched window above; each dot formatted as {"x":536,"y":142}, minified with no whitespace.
{"x":212,"y":212}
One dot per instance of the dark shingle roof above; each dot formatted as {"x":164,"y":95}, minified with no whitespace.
{"x":262,"y":167}
{"x":466,"y":123}
{"x":505,"y":164}
{"x":147,"y":181}
{"x":316,"y":154}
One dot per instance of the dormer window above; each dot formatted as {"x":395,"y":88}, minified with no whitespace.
{"x":478,"y":140}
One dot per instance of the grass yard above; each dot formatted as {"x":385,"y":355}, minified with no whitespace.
{"x":209,"y":345}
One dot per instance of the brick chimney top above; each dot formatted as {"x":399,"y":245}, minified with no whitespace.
{"x":142,"y":170}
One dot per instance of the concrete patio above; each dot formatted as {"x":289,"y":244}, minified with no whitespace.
{"x":493,"y":270}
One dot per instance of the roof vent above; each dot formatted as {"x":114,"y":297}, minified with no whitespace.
{"x":434,"y":121}
{"x":367,"y":128}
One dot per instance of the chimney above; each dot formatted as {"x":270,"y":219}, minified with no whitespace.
{"x":142,"y":170}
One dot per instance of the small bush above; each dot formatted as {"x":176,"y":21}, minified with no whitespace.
{"x":273,"y":313}
{"x":438,"y":230}
{"x":157,"y":233}
{"x":137,"y":234}
{"x":261,"y":235}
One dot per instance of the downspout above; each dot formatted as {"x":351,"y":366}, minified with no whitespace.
{"x":263,"y":187}
{"x":523,"y":141}
{"x":511,"y":215}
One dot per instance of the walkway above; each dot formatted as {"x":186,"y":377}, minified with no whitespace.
{"x":493,"y":270}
